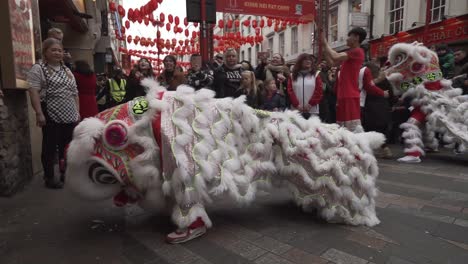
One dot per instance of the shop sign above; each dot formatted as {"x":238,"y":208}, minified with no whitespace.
{"x":22,"y":39}
{"x":286,"y":9}
{"x":359,"y":19}
{"x":441,"y":32}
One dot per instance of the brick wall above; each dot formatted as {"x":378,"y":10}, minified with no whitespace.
{"x":15,"y":151}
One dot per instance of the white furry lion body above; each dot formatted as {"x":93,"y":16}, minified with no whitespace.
{"x":212,"y":147}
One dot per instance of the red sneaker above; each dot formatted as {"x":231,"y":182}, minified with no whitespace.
{"x":195,"y":230}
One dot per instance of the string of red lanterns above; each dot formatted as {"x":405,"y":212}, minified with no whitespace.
{"x":144,"y":14}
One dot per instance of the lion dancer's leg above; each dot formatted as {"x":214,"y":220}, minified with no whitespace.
{"x":192,"y":222}
{"x":348,"y":114}
{"x":412,"y":136}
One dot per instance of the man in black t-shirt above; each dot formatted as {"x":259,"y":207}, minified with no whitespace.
{"x":227,"y":78}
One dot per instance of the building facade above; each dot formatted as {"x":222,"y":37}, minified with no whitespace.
{"x":289,"y":42}
{"x":89,"y":35}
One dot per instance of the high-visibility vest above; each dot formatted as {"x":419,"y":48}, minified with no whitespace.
{"x":117,"y":92}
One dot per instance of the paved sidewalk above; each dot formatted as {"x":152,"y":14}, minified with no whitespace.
{"x":423,"y":209}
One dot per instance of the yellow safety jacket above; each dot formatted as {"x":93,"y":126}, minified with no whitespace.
{"x":117,"y":92}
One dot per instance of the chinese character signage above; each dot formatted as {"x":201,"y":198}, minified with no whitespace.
{"x":22,"y":38}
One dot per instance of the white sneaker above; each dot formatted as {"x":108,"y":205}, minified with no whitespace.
{"x":184,"y":235}
{"x":409,"y":159}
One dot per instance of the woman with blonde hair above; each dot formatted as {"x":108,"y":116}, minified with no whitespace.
{"x":249,"y":88}
{"x":54,"y":97}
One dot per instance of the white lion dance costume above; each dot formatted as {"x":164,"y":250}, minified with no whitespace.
{"x":186,"y":149}
{"x":437,"y":106}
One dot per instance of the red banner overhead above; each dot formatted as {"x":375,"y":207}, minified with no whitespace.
{"x":286,"y":9}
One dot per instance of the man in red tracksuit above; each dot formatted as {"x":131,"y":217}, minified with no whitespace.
{"x":348,"y":111}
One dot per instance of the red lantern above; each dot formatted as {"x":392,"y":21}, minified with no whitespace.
{"x":254,"y":23}
{"x":237,"y":23}
{"x":195,"y":24}
{"x":185,"y":22}
{"x":257,"y":31}
{"x":161,"y":17}
{"x":130,"y":15}
{"x":171,"y":19}
{"x":246,"y":23}
{"x":146,"y":21}
{"x":187,"y":42}
{"x":221,"y":23}
{"x":127,"y":24}
{"x":181,"y":42}
{"x":168,"y":27}
{"x":136,"y":15}
{"x":153,"y":5}
{"x":112,"y":7}
{"x":229,"y":24}
{"x":176,"y":20}
{"x":187,"y":33}
{"x":262,"y":23}
{"x":129,"y":39}
{"x":122,"y":30}
{"x":158,"y":34}
{"x":269,"y":22}
{"x":176,"y":29}
{"x":194,"y":34}
{"x":121,"y":11}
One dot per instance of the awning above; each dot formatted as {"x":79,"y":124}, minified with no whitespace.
{"x":448,"y":31}
{"x":63,"y":11}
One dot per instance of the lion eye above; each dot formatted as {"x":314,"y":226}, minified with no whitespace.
{"x":400,"y":58}
{"x":100,"y":175}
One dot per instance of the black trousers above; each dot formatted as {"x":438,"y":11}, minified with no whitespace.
{"x":55,"y":137}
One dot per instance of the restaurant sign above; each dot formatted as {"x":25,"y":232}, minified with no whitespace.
{"x":450,"y":30}
{"x":287,"y":9}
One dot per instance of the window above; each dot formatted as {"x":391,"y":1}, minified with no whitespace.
{"x":270,"y":43}
{"x":249,"y":54}
{"x":294,"y":41}
{"x":281,"y":43}
{"x":333,"y":27}
{"x":437,"y":10}
{"x":396,"y":15}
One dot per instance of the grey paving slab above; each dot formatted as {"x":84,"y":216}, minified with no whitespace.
{"x":272,"y":245}
{"x":419,"y":245}
{"x":452,"y":232}
{"x":301,"y":257}
{"x":214,"y":253}
{"x":340,"y":257}
{"x":270,"y":258}
{"x":397,"y":260}
{"x":423,"y":214}
{"x":442,"y":211}
{"x":461,"y":222}
{"x":140,"y":254}
{"x":428,"y":180}
{"x":388,"y":188}
{"x":451,"y":197}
